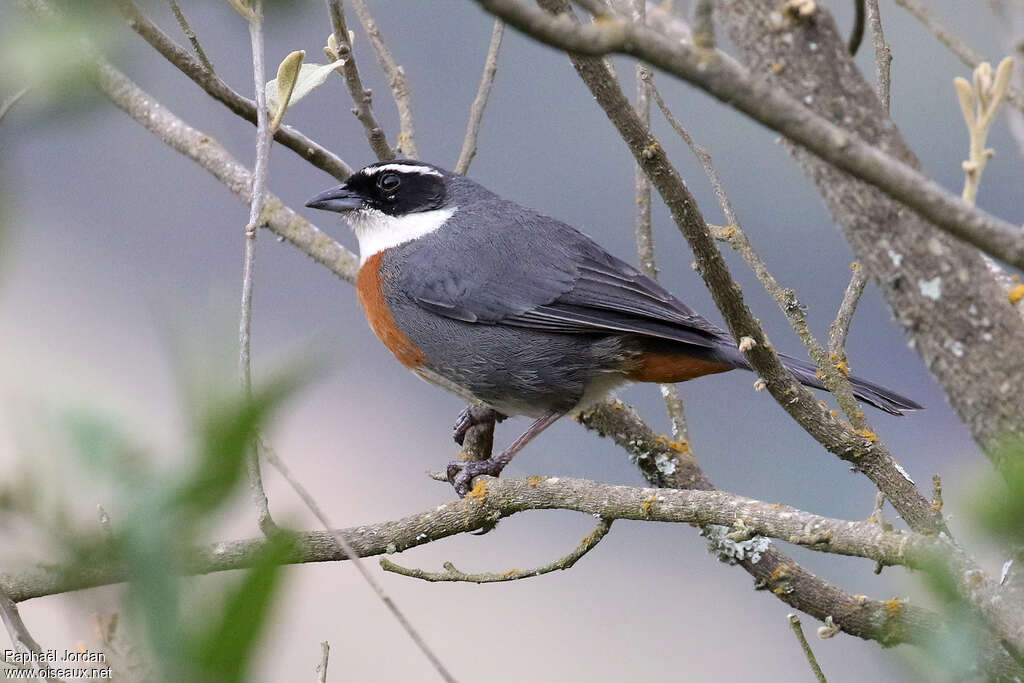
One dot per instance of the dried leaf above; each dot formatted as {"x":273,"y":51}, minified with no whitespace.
{"x":287,"y":75}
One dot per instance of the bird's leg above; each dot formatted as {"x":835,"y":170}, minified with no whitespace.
{"x":471,"y":416}
{"x":460,"y":474}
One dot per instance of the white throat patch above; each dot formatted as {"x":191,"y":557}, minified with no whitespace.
{"x":377,"y":231}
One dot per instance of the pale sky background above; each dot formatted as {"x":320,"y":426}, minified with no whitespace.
{"x":114,"y":245}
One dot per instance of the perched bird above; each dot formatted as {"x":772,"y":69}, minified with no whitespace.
{"x":502,"y":304}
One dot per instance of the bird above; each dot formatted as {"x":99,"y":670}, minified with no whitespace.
{"x":516,"y":310}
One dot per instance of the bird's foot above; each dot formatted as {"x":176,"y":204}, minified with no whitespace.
{"x":472,"y":416}
{"x":461,"y":473}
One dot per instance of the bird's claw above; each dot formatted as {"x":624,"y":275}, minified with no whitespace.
{"x":461,"y":474}
{"x":470,"y":417}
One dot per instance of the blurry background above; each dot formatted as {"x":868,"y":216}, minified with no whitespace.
{"x":116,"y":252}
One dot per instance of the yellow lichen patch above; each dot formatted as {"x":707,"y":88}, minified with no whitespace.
{"x":510,"y":572}
{"x":781,"y":572}
{"x":479,"y":492}
{"x":647,"y":506}
{"x":843,"y":367}
{"x":893,"y":607}
{"x":868,"y":434}
{"x":778,"y":67}
{"x":1016,"y":294}
{"x":681,"y":446}
{"x":534,"y":481}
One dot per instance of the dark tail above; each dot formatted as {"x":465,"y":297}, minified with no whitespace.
{"x":869,"y":392}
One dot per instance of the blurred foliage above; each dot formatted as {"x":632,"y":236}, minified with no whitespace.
{"x":50,"y":56}
{"x":161,"y":515}
{"x":998,"y":507}
{"x":999,"y":503}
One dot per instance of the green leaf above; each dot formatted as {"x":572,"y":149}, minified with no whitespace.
{"x":311,"y":76}
{"x":228,"y":433}
{"x":999,"y":503}
{"x":224,"y":651}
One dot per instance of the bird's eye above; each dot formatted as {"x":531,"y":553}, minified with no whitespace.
{"x":389,"y":182}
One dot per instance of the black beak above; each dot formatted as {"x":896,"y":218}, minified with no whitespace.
{"x":338,"y":199}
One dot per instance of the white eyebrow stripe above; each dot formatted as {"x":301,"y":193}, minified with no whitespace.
{"x":403,"y":168}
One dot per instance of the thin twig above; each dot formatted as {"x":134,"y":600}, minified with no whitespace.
{"x":450,"y":573}
{"x":339,"y":539}
{"x":878,"y":517}
{"x":840,"y":327}
{"x":191,"y":35}
{"x":476,"y":111}
{"x":9,"y":102}
{"x":308,"y":149}
{"x":794,"y":622}
{"x":396,"y":80}
{"x":20,"y":636}
{"x":883,"y":55}
{"x":834,"y":380}
{"x":644,"y":233}
{"x":955,"y":44}
{"x":321,"y":668}
{"x":259,"y":183}
{"x":362,"y":98}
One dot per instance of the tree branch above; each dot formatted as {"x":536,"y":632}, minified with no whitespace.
{"x":259,"y":183}
{"x":476,"y":110}
{"x":19,"y":633}
{"x":883,"y":55}
{"x":723,"y":78}
{"x":840,"y":327}
{"x":361,"y":97}
{"x":396,"y":79}
{"x":493,"y":499}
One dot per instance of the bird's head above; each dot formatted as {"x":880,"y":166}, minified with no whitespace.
{"x":391,"y":202}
